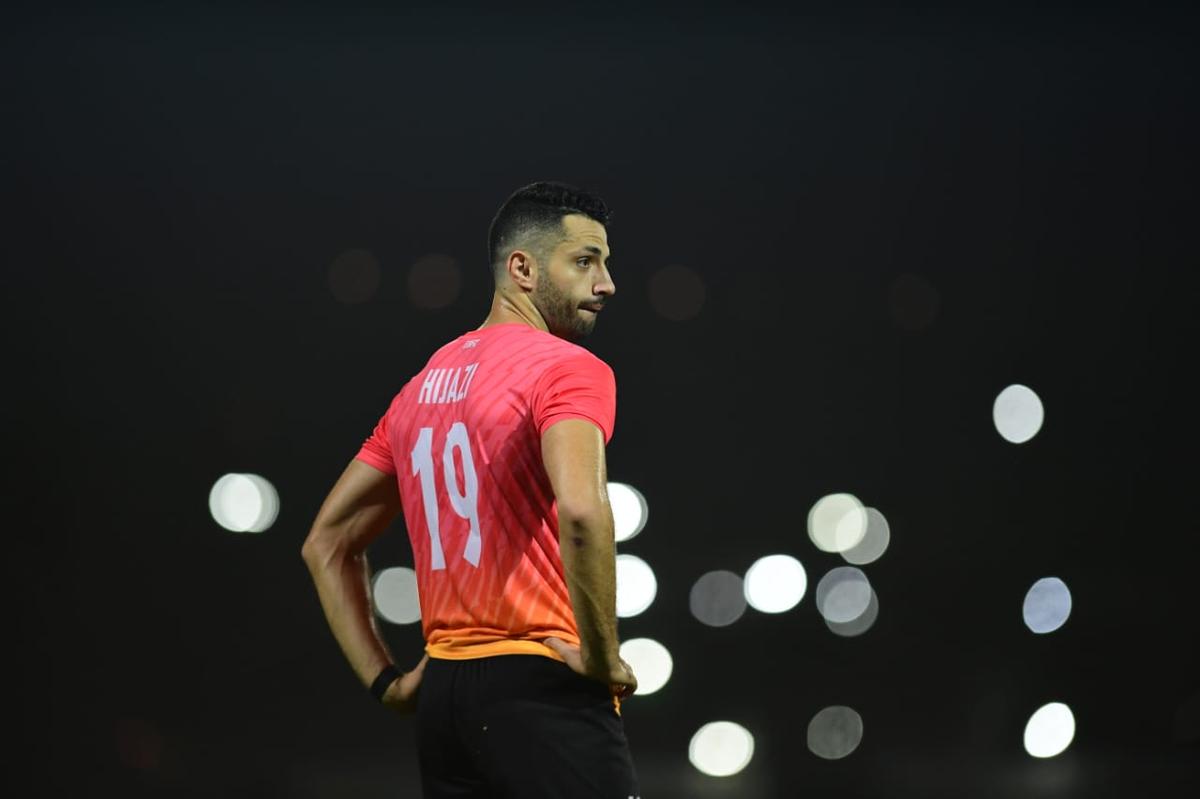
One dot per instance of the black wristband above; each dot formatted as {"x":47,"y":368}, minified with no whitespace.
{"x":386,"y":677}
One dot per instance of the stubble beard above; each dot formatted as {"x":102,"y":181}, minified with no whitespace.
{"x":562,"y":314}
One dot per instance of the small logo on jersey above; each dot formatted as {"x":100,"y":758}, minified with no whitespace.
{"x":469,"y":343}
{"x":443,"y":386}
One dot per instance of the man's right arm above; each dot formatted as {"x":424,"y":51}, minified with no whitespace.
{"x":573,"y":454}
{"x":359,"y":507}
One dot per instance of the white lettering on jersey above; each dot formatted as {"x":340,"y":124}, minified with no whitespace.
{"x":427,"y":387}
{"x":437,"y":384}
{"x":452,"y":386}
{"x":444,"y":386}
{"x":471,"y":367}
{"x":441,"y":395}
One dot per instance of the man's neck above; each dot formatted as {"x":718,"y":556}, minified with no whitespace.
{"x":505,"y":311}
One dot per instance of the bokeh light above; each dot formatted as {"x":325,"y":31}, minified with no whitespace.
{"x":434,"y":281}
{"x":650,"y":661}
{"x":630,"y":510}
{"x":843,"y":594}
{"x":636,"y":585}
{"x":1018,"y":414}
{"x":874,"y":542}
{"x":775,"y":583}
{"x":718,"y":598}
{"x":243,"y":503}
{"x":1047,"y":605}
{"x":837,"y":522}
{"x":354,"y":276}
{"x":676,"y":292}
{"x":860,"y":625}
{"x":139,"y":744}
{"x":835,"y":732}
{"x":395,"y":593}
{"x":1050,"y":730}
{"x":721,"y":748}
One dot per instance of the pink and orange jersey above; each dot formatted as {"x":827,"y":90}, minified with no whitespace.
{"x":463,"y":438}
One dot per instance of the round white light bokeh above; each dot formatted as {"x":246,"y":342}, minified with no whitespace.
{"x":721,"y":748}
{"x":636,"y":586}
{"x":630,"y":510}
{"x":1047,"y":605}
{"x":1050,"y":730}
{"x":1018,"y":414}
{"x":874,"y":542}
{"x":243,"y":503}
{"x":395,"y":593}
{"x":650,"y":661}
{"x":835,"y":732}
{"x":718,"y":598}
{"x":837,"y":522}
{"x":843,"y":594}
{"x":857,"y":626}
{"x":775,"y":583}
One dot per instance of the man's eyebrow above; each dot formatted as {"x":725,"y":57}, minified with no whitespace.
{"x":594,"y":250}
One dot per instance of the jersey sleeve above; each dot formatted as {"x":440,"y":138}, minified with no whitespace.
{"x":578,"y":387}
{"x":377,"y":449}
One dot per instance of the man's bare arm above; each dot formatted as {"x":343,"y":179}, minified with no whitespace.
{"x":363,"y":502}
{"x":573,"y":453}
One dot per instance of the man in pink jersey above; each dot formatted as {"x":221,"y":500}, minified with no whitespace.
{"x":494,"y":451}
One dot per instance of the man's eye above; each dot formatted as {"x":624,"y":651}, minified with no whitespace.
{"x":583,"y":261}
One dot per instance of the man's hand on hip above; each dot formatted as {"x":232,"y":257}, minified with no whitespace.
{"x":401,"y":695}
{"x":618,"y":676}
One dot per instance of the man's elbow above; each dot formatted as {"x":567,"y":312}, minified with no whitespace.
{"x":309,"y":550}
{"x":583,"y":526}
{"x":318,"y":548}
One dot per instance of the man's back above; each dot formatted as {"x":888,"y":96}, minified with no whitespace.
{"x":464,"y":439}
{"x":496,"y":445}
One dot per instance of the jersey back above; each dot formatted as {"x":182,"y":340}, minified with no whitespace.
{"x":463,"y":438}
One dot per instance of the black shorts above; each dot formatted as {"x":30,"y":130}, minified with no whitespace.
{"x":519,"y":727}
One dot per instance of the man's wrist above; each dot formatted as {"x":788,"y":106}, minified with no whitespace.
{"x":387,"y":675}
{"x":605,"y":657}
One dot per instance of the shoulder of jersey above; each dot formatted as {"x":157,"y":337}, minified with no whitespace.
{"x":569,"y":349}
{"x":545,"y":341}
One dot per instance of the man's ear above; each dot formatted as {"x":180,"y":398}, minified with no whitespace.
{"x":522,"y":270}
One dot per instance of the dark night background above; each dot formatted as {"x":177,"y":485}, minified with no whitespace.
{"x":179,"y":181}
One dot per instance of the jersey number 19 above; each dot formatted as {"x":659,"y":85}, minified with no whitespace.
{"x":465,"y":504}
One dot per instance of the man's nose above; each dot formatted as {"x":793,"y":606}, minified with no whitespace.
{"x":604,"y":286}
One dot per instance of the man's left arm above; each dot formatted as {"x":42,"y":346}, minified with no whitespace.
{"x":361,"y":505}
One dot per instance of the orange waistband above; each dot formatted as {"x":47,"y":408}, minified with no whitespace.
{"x":467,"y":650}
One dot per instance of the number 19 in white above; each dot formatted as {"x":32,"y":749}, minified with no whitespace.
{"x":465,"y":504}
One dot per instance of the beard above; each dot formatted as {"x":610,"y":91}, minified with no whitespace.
{"x":563,"y":316}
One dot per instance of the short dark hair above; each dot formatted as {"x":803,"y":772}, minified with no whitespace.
{"x":533,"y":211}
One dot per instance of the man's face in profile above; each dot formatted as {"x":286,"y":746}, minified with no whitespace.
{"x":575,"y":284}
